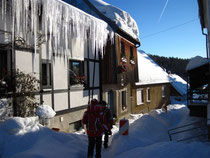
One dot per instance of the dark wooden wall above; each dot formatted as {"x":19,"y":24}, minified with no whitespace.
{"x":111,"y":63}
{"x":131,"y":74}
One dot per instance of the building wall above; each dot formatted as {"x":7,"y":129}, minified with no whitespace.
{"x":117,"y":110}
{"x":208,"y":21}
{"x":113,"y":78}
{"x":156,"y":100}
{"x":131,"y":73}
{"x":69,"y":102}
{"x":72,"y":40}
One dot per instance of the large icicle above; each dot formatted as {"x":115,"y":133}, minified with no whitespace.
{"x":58,"y":23}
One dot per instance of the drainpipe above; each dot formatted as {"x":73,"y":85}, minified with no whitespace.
{"x":206,"y":44}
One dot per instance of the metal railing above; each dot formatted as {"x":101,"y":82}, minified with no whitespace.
{"x":187,"y":128}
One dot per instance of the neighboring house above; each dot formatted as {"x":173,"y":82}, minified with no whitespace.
{"x":198,"y":72}
{"x":153,"y":89}
{"x":199,"y":68}
{"x":204,"y":13}
{"x":62,"y":45}
{"x":119,"y":64}
{"x":178,"y":87}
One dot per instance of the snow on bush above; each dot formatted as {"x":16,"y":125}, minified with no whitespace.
{"x":45,"y":111}
{"x":5,"y":108}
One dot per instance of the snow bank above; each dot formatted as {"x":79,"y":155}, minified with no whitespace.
{"x":45,"y":111}
{"x":169,"y":150}
{"x":149,"y":72}
{"x":18,"y":125}
{"x":25,"y":137}
{"x":147,"y":138}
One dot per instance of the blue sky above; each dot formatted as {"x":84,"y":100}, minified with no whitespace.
{"x":185,"y":41}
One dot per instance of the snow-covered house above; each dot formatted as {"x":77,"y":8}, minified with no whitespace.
{"x":198,"y":72}
{"x":62,"y":45}
{"x":153,"y":88}
{"x":204,"y":12}
{"x":119,"y":65}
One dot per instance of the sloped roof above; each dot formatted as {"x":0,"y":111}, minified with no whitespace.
{"x":196,"y":62}
{"x":120,"y":17}
{"x":178,"y":83}
{"x":120,"y":21}
{"x":149,"y":72}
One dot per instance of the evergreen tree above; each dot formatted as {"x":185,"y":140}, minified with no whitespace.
{"x":172,"y":65}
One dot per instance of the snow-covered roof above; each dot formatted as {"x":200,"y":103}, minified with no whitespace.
{"x":196,"y":62}
{"x":120,"y":17}
{"x":178,"y":83}
{"x":149,"y":72}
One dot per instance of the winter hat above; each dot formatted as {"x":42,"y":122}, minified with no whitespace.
{"x":93,"y":103}
{"x":103,"y":103}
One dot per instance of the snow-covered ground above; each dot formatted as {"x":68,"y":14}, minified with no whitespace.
{"x":148,"y":138}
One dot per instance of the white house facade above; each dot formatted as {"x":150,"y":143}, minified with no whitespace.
{"x":62,"y":46}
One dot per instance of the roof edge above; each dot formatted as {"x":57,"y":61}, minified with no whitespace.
{"x":113,"y":25}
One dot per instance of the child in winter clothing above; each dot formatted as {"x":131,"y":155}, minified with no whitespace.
{"x":109,"y":122}
{"x":93,"y":118}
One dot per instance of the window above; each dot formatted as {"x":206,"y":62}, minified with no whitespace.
{"x":77,"y":72}
{"x":140,"y":96}
{"x":46,"y":74}
{"x":148,"y":94}
{"x":122,"y":48}
{"x":5,"y":73}
{"x":123,"y":100}
{"x":3,"y":64}
{"x":131,"y":53}
{"x":163,"y":91}
{"x":76,"y":126}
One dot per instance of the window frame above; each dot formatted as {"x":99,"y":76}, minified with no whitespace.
{"x":140,"y":95}
{"x":122,"y":49}
{"x":131,"y":53}
{"x":83,"y":72}
{"x":48,"y":74}
{"x":148,"y":92}
{"x":6,"y":76}
{"x":163,"y":91}
{"x":123,"y":107}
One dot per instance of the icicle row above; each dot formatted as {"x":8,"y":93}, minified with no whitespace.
{"x":60,"y":23}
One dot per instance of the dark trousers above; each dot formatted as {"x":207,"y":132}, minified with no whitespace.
{"x":106,"y":139}
{"x":92,"y":141}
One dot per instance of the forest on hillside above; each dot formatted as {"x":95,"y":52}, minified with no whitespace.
{"x":172,"y":65}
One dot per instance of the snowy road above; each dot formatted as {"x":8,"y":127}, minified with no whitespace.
{"x":148,"y":138}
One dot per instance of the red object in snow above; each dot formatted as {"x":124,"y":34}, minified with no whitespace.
{"x":164,"y":107}
{"x":124,"y":126}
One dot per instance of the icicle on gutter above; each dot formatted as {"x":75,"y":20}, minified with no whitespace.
{"x":57,"y":23}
